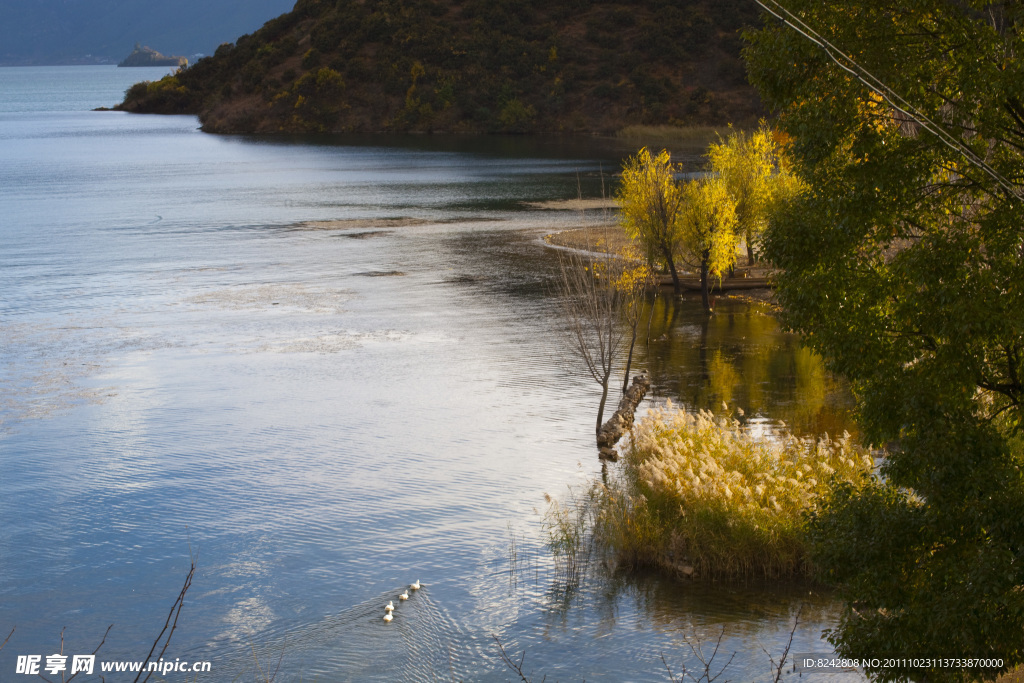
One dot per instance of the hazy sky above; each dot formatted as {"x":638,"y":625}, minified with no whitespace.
{"x":63,"y":31}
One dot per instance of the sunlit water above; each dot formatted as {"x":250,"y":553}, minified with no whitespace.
{"x":323,"y":416}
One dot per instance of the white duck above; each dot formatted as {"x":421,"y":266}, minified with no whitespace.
{"x":404,"y":596}
{"x":416,"y":586}
{"x":387,"y":616}
{"x":390,"y":606}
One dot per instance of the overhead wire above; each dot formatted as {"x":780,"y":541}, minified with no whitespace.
{"x":894,"y":99}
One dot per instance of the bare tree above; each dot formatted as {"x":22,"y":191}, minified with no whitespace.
{"x":633,"y":283}
{"x":591,"y":303}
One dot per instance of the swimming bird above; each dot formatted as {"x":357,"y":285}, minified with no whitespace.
{"x":415,"y":586}
{"x":387,"y":616}
{"x":404,"y":596}
{"x":390,"y":606}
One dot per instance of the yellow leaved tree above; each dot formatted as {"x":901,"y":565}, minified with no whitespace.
{"x":756,"y":175}
{"x":651,"y":200}
{"x":707,"y":230}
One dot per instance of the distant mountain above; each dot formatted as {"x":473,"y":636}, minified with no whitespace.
{"x":103,"y":31}
{"x":471,"y":65}
{"x":143,"y":55}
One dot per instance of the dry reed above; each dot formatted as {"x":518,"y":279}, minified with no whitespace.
{"x":700,"y":495}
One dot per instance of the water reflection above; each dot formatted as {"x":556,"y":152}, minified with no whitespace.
{"x":741,"y":357}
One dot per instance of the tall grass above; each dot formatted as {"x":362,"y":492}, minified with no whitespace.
{"x":699,"y":495}
{"x":569,"y":528}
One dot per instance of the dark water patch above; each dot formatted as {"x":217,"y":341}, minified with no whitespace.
{"x":357,"y":223}
{"x":366,"y":235}
{"x":470,"y":219}
{"x":380,"y":273}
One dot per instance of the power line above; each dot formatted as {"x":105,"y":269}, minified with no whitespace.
{"x":897,"y":102}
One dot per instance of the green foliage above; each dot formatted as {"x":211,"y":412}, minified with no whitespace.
{"x":902,"y":264}
{"x":700,"y":495}
{"x":569,"y":530}
{"x":516,"y":117}
{"x":311,"y":59}
{"x":168,"y":95}
{"x":314,"y":99}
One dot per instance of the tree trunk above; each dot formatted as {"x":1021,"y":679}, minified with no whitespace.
{"x":629,"y":358}
{"x":705,"y":299}
{"x":750,"y":249}
{"x":672,"y":269}
{"x":600,"y":407}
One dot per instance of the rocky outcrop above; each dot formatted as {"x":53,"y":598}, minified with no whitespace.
{"x":147,"y":56}
{"x":621,"y":422}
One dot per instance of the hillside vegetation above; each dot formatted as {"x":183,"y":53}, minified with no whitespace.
{"x":472,"y":66}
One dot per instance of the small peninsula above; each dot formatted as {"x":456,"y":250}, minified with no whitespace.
{"x":147,"y":56}
{"x":469,"y":66}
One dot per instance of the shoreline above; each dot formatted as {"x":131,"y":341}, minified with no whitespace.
{"x":750,"y":283}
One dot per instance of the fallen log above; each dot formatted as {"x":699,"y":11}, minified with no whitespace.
{"x":621,"y":422}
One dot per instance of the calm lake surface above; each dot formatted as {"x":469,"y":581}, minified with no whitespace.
{"x":324,"y":416}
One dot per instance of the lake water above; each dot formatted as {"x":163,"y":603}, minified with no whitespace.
{"x":323,"y":416}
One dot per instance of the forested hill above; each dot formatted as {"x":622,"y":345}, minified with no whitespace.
{"x":471,"y":65}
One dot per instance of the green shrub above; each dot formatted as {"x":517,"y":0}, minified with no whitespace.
{"x":516,"y":117}
{"x":311,"y":59}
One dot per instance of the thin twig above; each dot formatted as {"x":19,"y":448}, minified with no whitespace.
{"x":671,"y":676}
{"x":706,"y":661}
{"x":8,"y":637}
{"x":777,"y":668}
{"x":511,"y":663}
{"x":173,"y":614}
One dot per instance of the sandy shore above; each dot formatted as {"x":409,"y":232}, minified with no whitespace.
{"x":574,"y":204}
{"x":610,"y":239}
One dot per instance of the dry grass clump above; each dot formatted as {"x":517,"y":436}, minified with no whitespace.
{"x":700,"y":495}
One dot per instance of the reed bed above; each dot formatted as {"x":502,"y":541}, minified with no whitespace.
{"x":700,"y":495}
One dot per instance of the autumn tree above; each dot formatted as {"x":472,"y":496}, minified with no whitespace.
{"x":902,"y":263}
{"x":756,"y":175}
{"x":707,"y":236}
{"x":650,"y":200}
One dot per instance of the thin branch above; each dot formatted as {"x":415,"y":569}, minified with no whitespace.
{"x":777,"y":669}
{"x":171,"y":622}
{"x":671,"y":676}
{"x":103,"y":640}
{"x":511,"y":663}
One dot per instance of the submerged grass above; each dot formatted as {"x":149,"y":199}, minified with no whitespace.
{"x":569,"y":528}
{"x":700,"y":495}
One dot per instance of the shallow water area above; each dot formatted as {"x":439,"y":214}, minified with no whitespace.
{"x":324,"y":414}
